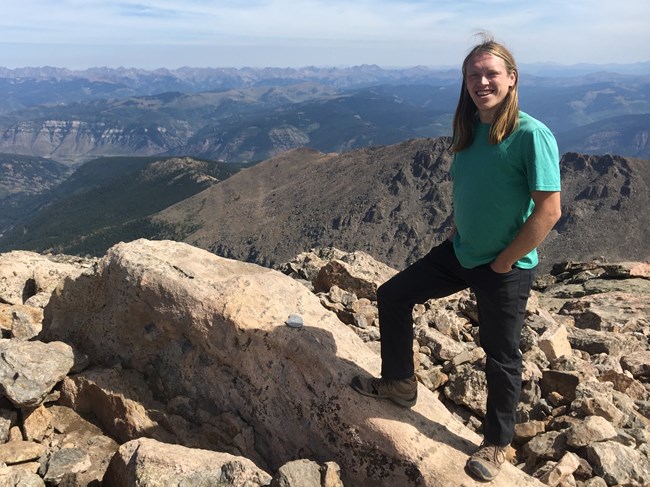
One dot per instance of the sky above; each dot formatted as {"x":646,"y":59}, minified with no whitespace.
{"x":150,"y":34}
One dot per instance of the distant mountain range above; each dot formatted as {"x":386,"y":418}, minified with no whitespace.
{"x":241,"y":115}
{"x":390,"y":201}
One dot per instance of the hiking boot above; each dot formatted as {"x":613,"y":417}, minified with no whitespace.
{"x":486,"y":463}
{"x":403,"y":392}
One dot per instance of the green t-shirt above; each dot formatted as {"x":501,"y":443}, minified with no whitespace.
{"x":492,"y":187}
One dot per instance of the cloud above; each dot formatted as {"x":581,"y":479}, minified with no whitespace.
{"x":395,"y":31}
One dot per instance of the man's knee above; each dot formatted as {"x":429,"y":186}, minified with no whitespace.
{"x":385,"y":292}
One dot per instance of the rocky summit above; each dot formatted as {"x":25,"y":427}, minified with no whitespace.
{"x":163,"y":364}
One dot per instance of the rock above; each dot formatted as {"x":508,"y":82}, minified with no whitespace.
{"x":181,"y":383}
{"x":546,"y":446}
{"x":66,"y":462}
{"x":565,"y":383}
{"x":117,"y":398}
{"x":20,"y":451}
{"x":595,"y":342}
{"x":72,"y":431}
{"x":595,"y":482}
{"x":298,"y":473}
{"x":528,"y":430}
{"x":23,"y":275}
{"x":596,"y":399}
{"x":555,"y":343}
{"x":15,"y":434}
{"x":19,"y":478}
{"x":307,"y":265}
{"x":467,"y":386}
{"x":592,"y":429}
{"x":7,"y":420}
{"x":625,"y":384}
{"x":148,"y":462}
{"x":331,"y":475}
{"x":356,"y":272}
{"x":20,"y":321}
{"x":442,"y":347}
{"x":610,"y":311}
{"x":619,"y":464}
{"x":568,"y":464}
{"x":37,"y":424}
{"x":30,"y":370}
{"x":638,"y":364}
{"x":212,"y":330}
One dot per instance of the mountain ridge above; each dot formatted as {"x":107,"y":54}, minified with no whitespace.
{"x":246,"y":114}
{"x":392,"y":202}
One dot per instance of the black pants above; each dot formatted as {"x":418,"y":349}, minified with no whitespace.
{"x":501,"y":300}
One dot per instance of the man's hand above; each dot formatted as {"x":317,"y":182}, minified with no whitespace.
{"x":541,"y":221}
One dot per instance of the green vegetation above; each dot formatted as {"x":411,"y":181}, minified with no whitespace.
{"x":110,"y":200}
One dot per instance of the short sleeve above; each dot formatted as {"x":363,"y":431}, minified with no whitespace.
{"x":543,"y":162}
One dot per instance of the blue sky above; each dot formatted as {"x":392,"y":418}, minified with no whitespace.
{"x":149,"y":34}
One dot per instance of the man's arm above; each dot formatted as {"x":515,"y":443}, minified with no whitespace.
{"x":545,"y":215}
{"x":452,"y":232}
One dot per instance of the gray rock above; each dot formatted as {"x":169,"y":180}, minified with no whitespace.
{"x":619,"y":464}
{"x":595,"y":342}
{"x":8,"y":419}
{"x":298,"y":473}
{"x":30,"y":370}
{"x":638,"y":363}
{"x":546,"y":446}
{"x":442,"y":347}
{"x":596,"y":399}
{"x":467,"y":386}
{"x":66,"y":462}
{"x":19,"y":478}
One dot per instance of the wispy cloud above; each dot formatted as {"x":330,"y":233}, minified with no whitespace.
{"x":389,"y":32}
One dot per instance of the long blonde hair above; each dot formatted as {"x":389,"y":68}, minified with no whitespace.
{"x":506,"y":118}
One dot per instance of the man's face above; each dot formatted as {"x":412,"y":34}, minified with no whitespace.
{"x":488,"y":83}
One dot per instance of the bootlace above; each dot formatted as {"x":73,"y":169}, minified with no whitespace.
{"x":491,"y":453}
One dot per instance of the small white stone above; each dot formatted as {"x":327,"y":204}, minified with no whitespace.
{"x":294,"y":321}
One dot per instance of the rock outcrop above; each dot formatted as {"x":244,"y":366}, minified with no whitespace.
{"x":211,"y":332}
{"x":185,"y":359}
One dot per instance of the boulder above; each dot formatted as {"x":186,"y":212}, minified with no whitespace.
{"x":356,"y":272}
{"x":147,"y":462}
{"x":554,"y":342}
{"x":298,"y":473}
{"x":117,"y":398}
{"x":25,"y":276}
{"x":30,"y":370}
{"x":592,"y":429}
{"x":213,"y":330}
{"x":610,"y":311}
{"x":619,"y":464}
{"x":638,"y":364}
{"x":72,"y":431}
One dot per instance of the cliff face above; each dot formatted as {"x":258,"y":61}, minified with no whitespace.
{"x":72,"y":140}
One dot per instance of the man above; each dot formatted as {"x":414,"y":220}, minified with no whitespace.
{"x":506,"y":199}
